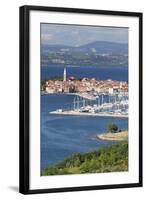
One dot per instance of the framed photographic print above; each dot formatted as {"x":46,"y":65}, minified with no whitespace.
{"x":80,"y":99}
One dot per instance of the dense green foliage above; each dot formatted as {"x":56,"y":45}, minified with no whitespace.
{"x":108,"y":159}
{"x":113,"y":128}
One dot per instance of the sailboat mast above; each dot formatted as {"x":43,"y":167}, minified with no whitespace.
{"x":74,"y":104}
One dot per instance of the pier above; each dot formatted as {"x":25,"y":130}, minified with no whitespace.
{"x":77,"y":113}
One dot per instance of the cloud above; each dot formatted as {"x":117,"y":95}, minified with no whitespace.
{"x":76,"y":35}
{"x":46,"y":37}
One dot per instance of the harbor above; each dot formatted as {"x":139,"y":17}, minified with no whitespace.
{"x":103,"y":105}
{"x":102,"y":114}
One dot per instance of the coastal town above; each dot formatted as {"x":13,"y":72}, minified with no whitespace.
{"x":85,"y":85}
{"x":84,"y":101}
{"x":92,"y":97}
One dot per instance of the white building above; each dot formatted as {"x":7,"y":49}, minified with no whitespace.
{"x":50,"y":90}
{"x":111,"y":90}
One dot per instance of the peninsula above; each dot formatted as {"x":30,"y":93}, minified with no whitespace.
{"x":119,"y":136}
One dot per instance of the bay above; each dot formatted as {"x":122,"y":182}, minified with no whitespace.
{"x":62,"y":136}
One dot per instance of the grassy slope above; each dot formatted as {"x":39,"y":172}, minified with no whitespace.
{"x":108,"y":159}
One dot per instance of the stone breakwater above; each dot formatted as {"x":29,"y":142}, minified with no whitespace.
{"x":75,"y":112}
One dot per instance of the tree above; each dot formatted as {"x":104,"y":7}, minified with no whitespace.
{"x":112,"y":128}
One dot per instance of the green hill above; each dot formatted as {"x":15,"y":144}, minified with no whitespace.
{"x":113,"y":158}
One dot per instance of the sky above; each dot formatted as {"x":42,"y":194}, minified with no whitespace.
{"x":76,"y":35}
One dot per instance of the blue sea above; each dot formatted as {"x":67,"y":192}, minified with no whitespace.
{"x":62,"y":136}
{"x":102,"y":73}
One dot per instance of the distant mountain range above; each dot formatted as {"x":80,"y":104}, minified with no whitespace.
{"x":95,"y":53}
{"x":107,"y":47}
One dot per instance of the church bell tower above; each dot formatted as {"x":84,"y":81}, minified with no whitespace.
{"x":64,"y":75}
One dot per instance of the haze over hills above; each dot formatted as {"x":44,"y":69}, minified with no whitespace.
{"x":107,"y":47}
{"x":95,"y":53}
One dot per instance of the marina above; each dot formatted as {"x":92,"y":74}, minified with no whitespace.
{"x":62,"y":135}
{"x":103,"y":105}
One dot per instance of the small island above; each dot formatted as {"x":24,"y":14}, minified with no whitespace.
{"x":113,"y":134}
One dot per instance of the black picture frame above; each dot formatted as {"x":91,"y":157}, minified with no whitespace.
{"x":25,"y":105}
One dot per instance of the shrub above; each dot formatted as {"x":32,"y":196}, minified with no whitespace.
{"x":107,"y":159}
{"x":112,"y":128}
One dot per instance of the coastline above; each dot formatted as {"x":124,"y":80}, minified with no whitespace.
{"x":106,"y":159}
{"x":83,"y":95}
{"x":119,"y":136}
{"x":103,"y":114}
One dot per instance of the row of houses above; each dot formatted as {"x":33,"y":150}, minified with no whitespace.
{"x":86,"y":85}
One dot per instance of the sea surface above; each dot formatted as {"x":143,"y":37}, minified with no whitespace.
{"x":103,"y":73}
{"x":62,"y":136}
